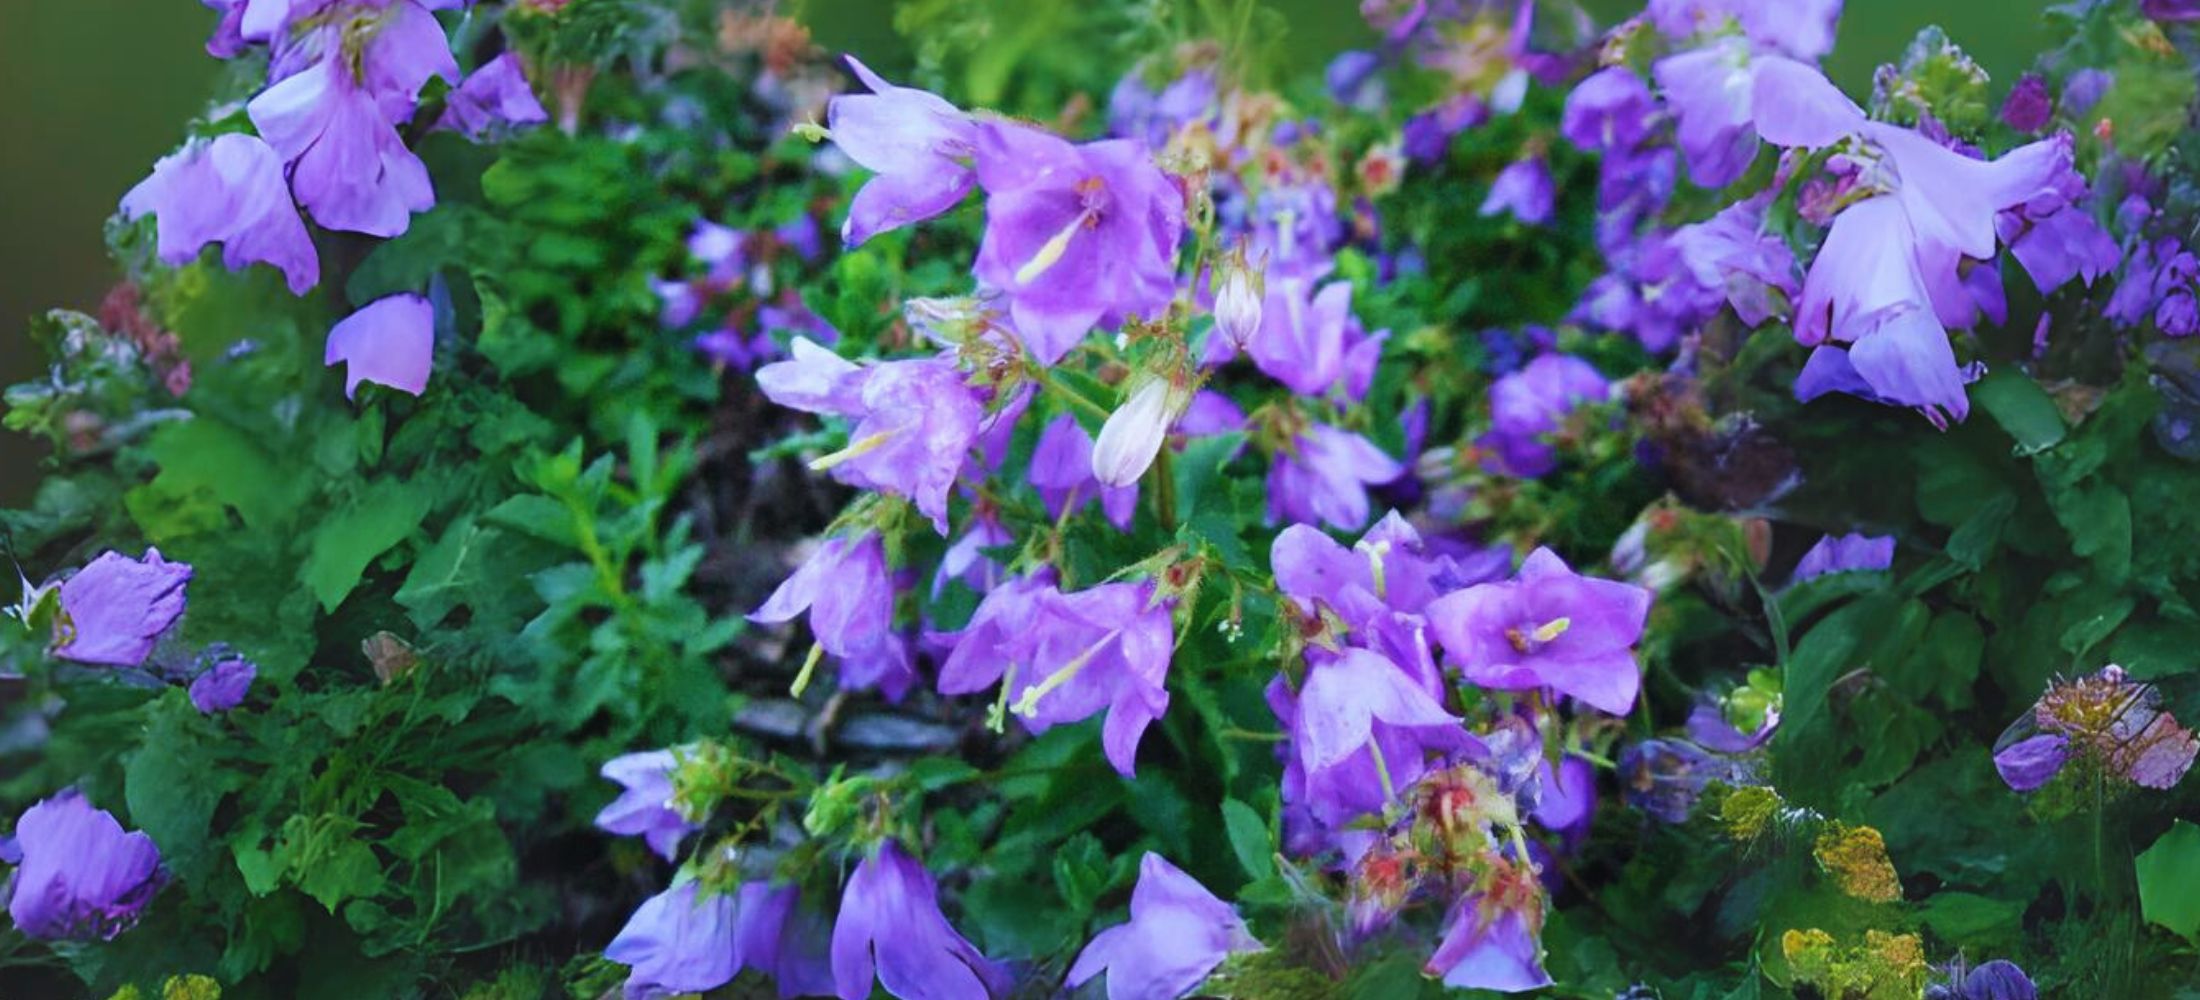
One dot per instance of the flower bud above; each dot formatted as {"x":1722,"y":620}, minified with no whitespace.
{"x":1237,"y":307}
{"x":1133,"y":434}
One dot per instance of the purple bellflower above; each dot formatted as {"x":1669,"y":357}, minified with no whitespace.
{"x":917,"y":144}
{"x":81,"y":877}
{"x":1361,"y":731}
{"x":1312,"y":342}
{"x":115,"y":609}
{"x":1844,"y":553}
{"x":1999,"y":979}
{"x":1732,"y":251}
{"x":1548,"y":627}
{"x":849,"y":595}
{"x":222,"y":686}
{"x":1490,"y":946}
{"x":2171,"y":10}
{"x":1061,"y":470}
{"x":390,"y":341}
{"x":890,"y":926}
{"x":1067,"y":657}
{"x":1523,"y":189}
{"x":1803,"y":29}
{"x":1724,"y":96}
{"x":1324,"y":478}
{"x":915,"y":420}
{"x":1178,"y":933}
{"x":689,"y":939}
{"x":1527,"y":405}
{"x":646,"y":808}
{"x":227,"y":190}
{"x":1610,"y":112}
{"x":1075,"y":236}
{"x":495,"y":96}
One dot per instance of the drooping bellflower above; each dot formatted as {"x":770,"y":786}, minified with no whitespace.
{"x":1062,"y":472}
{"x":915,"y":142}
{"x":222,"y":686}
{"x":849,"y":595}
{"x":1178,"y":933}
{"x":1325,"y":476}
{"x":390,"y":341}
{"x":1843,"y":554}
{"x":494,"y":96}
{"x":115,"y":609}
{"x":890,"y":928}
{"x":1076,"y":236}
{"x":1524,"y":190}
{"x":1361,"y":730}
{"x":227,"y":190}
{"x":646,"y":808}
{"x":81,"y":876}
{"x":692,"y":939}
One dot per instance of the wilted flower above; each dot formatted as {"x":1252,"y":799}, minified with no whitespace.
{"x":1665,"y":777}
{"x":1075,"y":236}
{"x":390,"y":341}
{"x":494,"y":96}
{"x":890,"y":925}
{"x":222,"y":686}
{"x":1490,"y":941}
{"x":1178,"y":933}
{"x":646,"y":808}
{"x":2106,"y":720}
{"x":227,"y":190}
{"x":80,"y":876}
{"x":115,"y":609}
{"x":914,"y":140}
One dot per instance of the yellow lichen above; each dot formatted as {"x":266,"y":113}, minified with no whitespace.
{"x":1856,"y":858}
{"x":1746,"y":812}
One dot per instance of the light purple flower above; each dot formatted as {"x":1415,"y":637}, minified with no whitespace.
{"x":1293,"y":226}
{"x":227,"y":41}
{"x":1731,"y":250}
{"x":1527,"y":405}
{"x":228,"y":190}
{"x":1061,"y":470}
{"x":1567,"y":800}
{"x":2029,"y":763}
{"x":1548,"y":627}
{"x":1075,"y":236}
{"x":1724,"y":96}
{"x":1178,"y":933}
{"x":80,"y":876}
{"x":1068,"y":657}
{"x":1524,"y":189}
{"x":495,"y":96}
{"x":890,"y":925}
{"x":1352,"y":79}
{"x":1324,"y":479}
{"x":1488,"y":946}
{"x":689,"y":939}
{"x":223,"y":686}
{"x":2053,"y":234}
{"x":966,"y":559}
{"x":915,"y":420}
{"x":1307,"y":339}
{"x":1609,"y":112}
{"x":1707,"y":726}
{"x":845,"y":588}
{"x":390,"y":341}
{"x":116,"y":608}
{"x":1844,"y":553}
{"x":1803,"y":29}
{"x":645,"y":808}
{"x":1361,"y":731}
{"x":915,"y":142}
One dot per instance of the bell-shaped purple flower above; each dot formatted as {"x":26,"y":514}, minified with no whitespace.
{"x":2171,"y":10}
{"x":891,"y":927}
{"x":1075,"y":236}
{"x":1309,"y":340}
{"x":349,"y":166}
{"x":1527,"y":405}
{"x":1567,"y":800}
{"x":1324,"y":479}
{"x":223,"y":686}
{"x":1061,"y":470}
{"x":1488,"y":946}
{"x":80,"y":876}
{"x":1548,"y":627}
{"x":1609,"y":112}
{"x":1708,"y":728}
{"x":1999,"y":979}
{"x":1801,"y":28}
{"x":646,"y":808}
{"x":390,"y":341}
{"x":2030,"y":104}
{"x":690,"y":939}
{"x":1843,"y":554}
{"x":1068,"y":657}
{"x":114,"y":609}
{"x":228,"y":190}
{"x":1732,"y":250}
{"x":915,"y":141}
{"x":1523,"y":189}
{"x":1361,"y":731}
{"x":849,"y":595}
{"x":2029,"y":763}
{"x":1178,"y":933}
{"x":494,"y":97}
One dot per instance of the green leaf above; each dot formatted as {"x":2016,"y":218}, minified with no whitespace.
{"x":2022,"y":408}
{"x":173,"y":784}
{"x":1249,"y":839}
{"x":386,"y":514}
{"x":1973,"y":921}
{"x":2168,"y":873}
{"x":350,"y":871}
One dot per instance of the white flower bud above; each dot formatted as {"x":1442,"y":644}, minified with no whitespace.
{"x":1133,"y":434}
{"x":1237,"y":307}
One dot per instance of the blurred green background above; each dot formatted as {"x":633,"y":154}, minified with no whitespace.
{"x":101,"y":88}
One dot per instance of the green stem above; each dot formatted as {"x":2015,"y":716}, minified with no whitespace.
{"x":1165,"y":490}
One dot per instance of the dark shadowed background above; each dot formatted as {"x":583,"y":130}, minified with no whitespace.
{"x":96,"y":90}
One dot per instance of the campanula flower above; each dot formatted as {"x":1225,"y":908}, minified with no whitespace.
{"x":115,"y":609}
{"x":1844,"y":553}
{"x":1293,"y":226}
{"x":1609,"y":112}
{"x":494,"y":96}
{"x":845,"y":588}
{"x":2171,"y":10}
{"x":1523,"y":189}
{"x":390,"y":341}
{"x":915,"y":420}
{"x":1075,"y":236}
{"x":1131,"y":438}
{"x":1803,"y":29}
{"x":1548,"y":627}
{"x":2029,"y":105}
{"x":646,"y":808}
{"x":890,"y":926}
{"x":1732,"y":251}
{"x":2119,"y":726}
{"x":1307,"y":338}
{"x":1528,"y":405}
{"x":81,"y":877}
{"x":222,"y":686}
{"x":1178,"y":933}
{"x":1324,"y":478}
{"x":1999,"y":979}
{"x":1136,"y":111}
{"x":2032,"y":762}
{"x":1361,"y":731}
{"x":1068,"y":657}
{"x":966,"y":559}
{"x":228,"y":190}
{"x":2052,"y":233}
{"x":1708,"y":728}
{"x":1566,"y":802}
{"x":1062,"y":472}
{"x":1238,"y":307}
{"x":915,"y":142}
{"x":1490,"y":946}
{"x":691,"y":939}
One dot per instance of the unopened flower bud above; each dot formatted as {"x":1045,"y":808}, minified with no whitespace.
{"x":1237,"y":307}
{"x":1133,"y":434}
